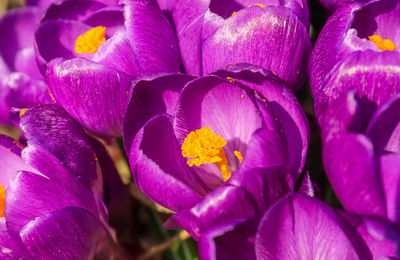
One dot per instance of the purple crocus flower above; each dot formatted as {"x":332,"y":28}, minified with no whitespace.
{"x":358,"y":47}
{"x":21,"y":83}
{"x":270,"y":34}
{"x":215,"y":147}
{"x":368,"y":181}
{"x":301,"y":227}
{"x":50,"y":191}
{"x":91,"y":51}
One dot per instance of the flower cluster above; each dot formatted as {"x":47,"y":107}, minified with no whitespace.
{"x":201,"y":102}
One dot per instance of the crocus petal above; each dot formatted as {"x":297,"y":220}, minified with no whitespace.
{"x":50,"y":127}
{"x":160,"y":170}
{"x":97,"y":100}
{"x":356,"y":182}
{"x":222,"y":205}
{"x":11,"y":163}
{"x":283,"y":104}
{"x":241,"y":38}
{"x":325,"y":52}
{"x":383,"y":129}
{"x":42,"y":4}
{"x":349,"y":113}
{"x":116,"y":53}
{"x":266,"y":149}
{"x":56,"y":38}
{"x":152,"y":96}
{"x":188,"y":18}
{"x":12,"y":246}
{"x":69,"y":233}
{"x":302,"y":226}
{"x":4,"y":108}
{"x":72,"y":9}
{"x":10,"y":144}
{"x":347,"y":31}
{"x":25,"y":91}
{"x":375,"y":232}
{"x":220,"y":105}
{"x":390,"y":172}
{"x":379,"y":18}
{"x":152,"y":38}
{"x":25,"y":61}
{"x":52,"y":168}
{"x":18,"y":25}
{"x":265,"y":184}
{"x":229,"y":241}
{"x":110,"y":17}
{"x":378,"y":73}
{"x":31,"y":195}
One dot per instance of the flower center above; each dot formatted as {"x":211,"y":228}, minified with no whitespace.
{"x":204,"y":146}
{"x":2,"y":200}
{"x":384,"y":45}
{"x":91,"y":40}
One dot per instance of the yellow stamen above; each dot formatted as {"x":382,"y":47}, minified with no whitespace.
{"x":91,"y":40}
{"x":204,"y":146}
{"x":2,"y":200}
{"x":239,"y":156}
{"x":384,"y":45}
{"x":260,"y":5}
{"x":22,"y":112}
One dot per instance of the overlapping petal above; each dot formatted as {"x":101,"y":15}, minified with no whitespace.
{"x":242,"y":39}
{"x":301,"y":226}
{"x":95,"y":95}
{"x":152,"y":96}
{"x":69,"y":233}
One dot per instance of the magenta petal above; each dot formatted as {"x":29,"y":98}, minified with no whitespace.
{"x":350,"y":113}
{"x":226,"y":108}
{"x":25,"y":91}
{"x":374,"y":75}
{"x":383,"y":129}
{"x":325,"y":53}
{"x":159,"y":168}
{"x":302,"y":226}
{"x":116,"y":53}
{"x":390,"y":173}
{"x":10,"y":144}
{"x":224,"y":204}
{"x":110,"y":17}
{"x":72,"y":9}
{"x":31,"y":195}
{"x":229,"y":241}
{"x":11,"y":163}
{"x":241,"y":39}
{"x":152,"y":38}
{"x":17,"y":27}
{"x":68,"y":233}
{"x":265,"y":149}
{"x":61,"y":44}
{"x":379,"y":234}
{"x":51,"y":128}
{"x":266,"y":185}
{"x":12,"y":246}
{"x":97,"y":100}
{"x":188,"y":18}
{"x":283,"y":104}
{"x":356,"y":181}
{"x":152,"y":96}
{"x":25,"y":61}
